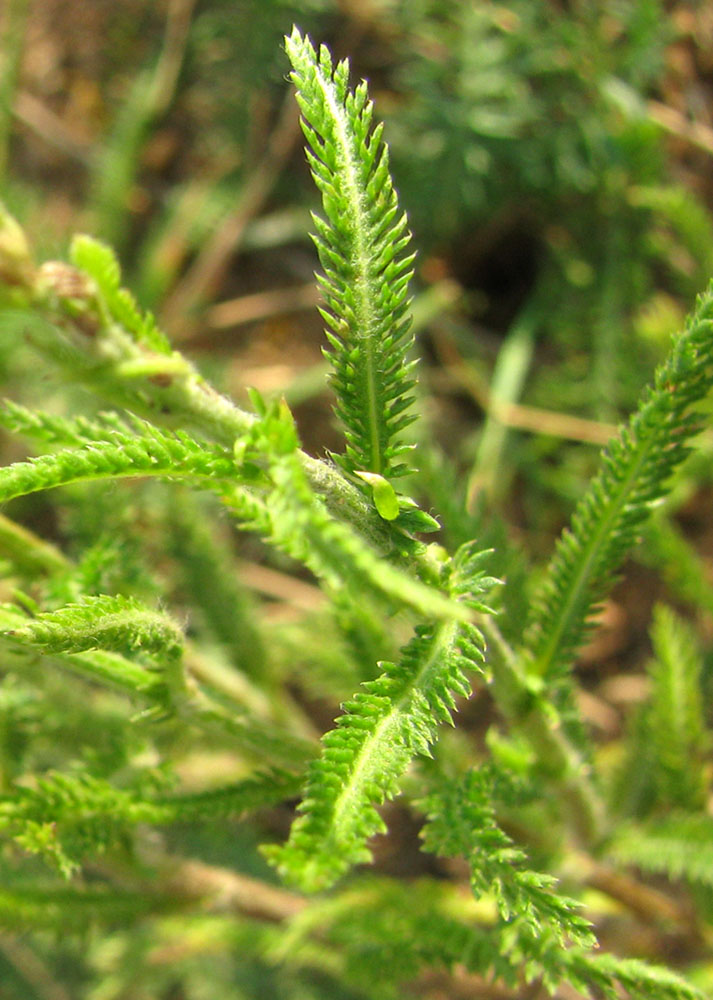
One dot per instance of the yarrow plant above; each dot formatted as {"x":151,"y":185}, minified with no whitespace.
{"x":125,"y":691}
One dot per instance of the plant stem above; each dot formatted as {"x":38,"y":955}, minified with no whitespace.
{"x":224,"y":889}
{"x":522,"y":704}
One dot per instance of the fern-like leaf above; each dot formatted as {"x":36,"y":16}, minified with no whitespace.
{"x":96,"y":665}
{"x":634,"y":477}
{"x":151,"y":454}
{"x":663,"y":766}
{"x":265,"y":788}
{"x":387,"y":722}
{"x":361,"y":246}
{"x":386,"y":932}
{"x":599,"y":973}
{"x":99,"y":260}
{"x":462,"y":823}
{"x":66,"y":817}
{"x":121,"y":624}
{"x":54,"y":429}
{"x":679,"y":846}
{"x":674,"y":718}
{"x":164,"y":692}
{"x":290,"y":514}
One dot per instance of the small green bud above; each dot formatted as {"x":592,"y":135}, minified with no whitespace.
{"x":383,"y":493}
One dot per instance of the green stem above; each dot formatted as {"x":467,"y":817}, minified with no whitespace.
{"x":522,"y":703}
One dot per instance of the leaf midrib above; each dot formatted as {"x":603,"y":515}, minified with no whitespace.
{"x":365,"y":312}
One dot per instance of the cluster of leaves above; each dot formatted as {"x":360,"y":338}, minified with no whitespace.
{"x":98,"y":778}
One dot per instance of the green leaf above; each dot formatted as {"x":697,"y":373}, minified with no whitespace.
{"x":121,"y":624}
{"x":96,"y":665}
{"x":674,"y":717}
{"x":100,"y":262}
{"x":66,"y":817}
{"x":385,"y":931}
{"x":362,"y":249}
{"x":387,"y":722}
{"x":154,"y":453}
{"x":462,"y":822}
{"x":678,"y":846}
{"x":634,"y":477}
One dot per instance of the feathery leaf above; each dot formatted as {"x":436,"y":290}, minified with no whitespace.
{"x":387,"y":722}
{"x":462,"y":822}
{"x":663,"y":765}
{"x":121,"y":624}
{"x":674,"y":716}
{"x":389,"y":930}
{"x":362,"y":247}
{"x":97,"y":665}
{"x":66,"y":817}
{"x":634,"y":477}
{"x":679,"y":846}
{"x":154,"y":453}
{"x":99,"y":260}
